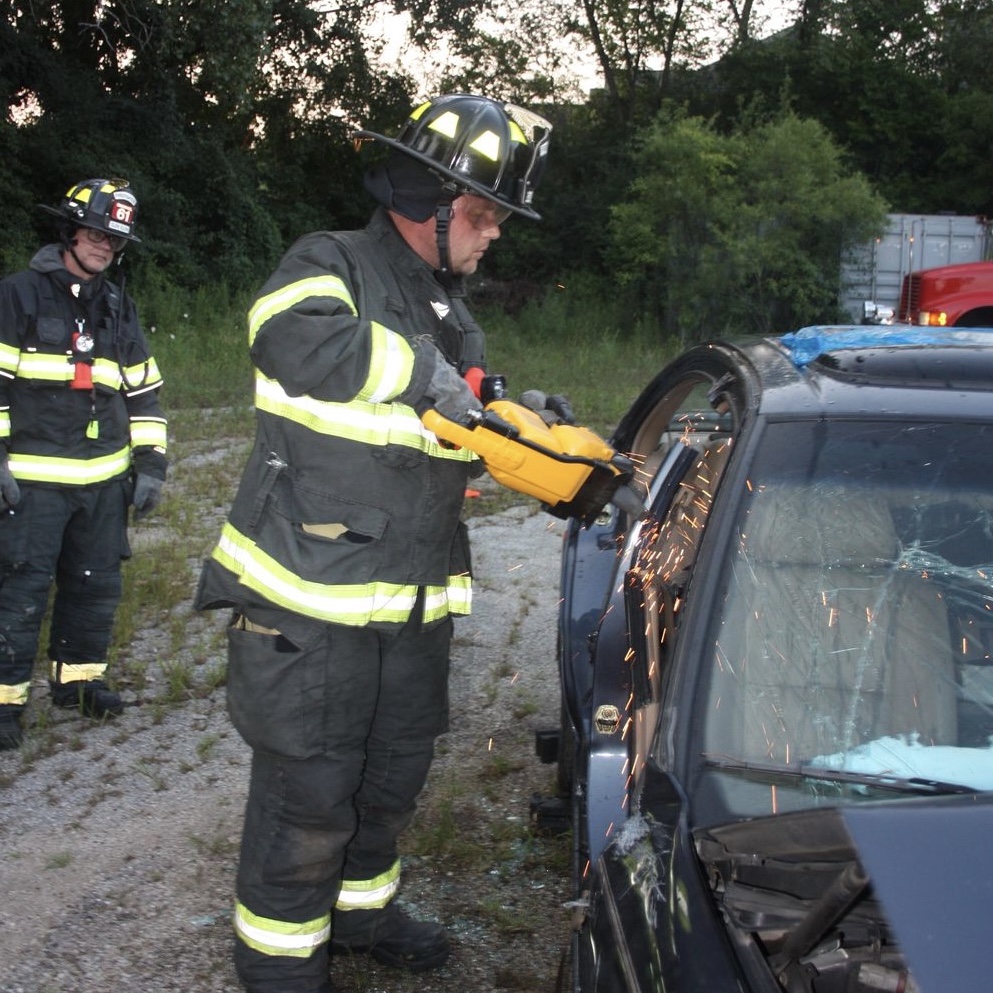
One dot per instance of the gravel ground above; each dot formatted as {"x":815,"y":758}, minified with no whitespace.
{"x":118,"y":842}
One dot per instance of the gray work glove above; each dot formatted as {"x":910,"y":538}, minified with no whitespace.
{"x":554,"y":409}
{"x":147,"y":493}
{"x":448,"y":392}
{"x":10,"y":492}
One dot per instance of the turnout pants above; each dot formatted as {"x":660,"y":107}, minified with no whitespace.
{"x":342,"y":723}
{"x":76,"y":538}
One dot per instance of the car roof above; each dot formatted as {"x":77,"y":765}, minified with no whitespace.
{"x":852,"y":370}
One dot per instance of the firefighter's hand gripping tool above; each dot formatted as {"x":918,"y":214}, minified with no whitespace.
{"x":570,"y":469}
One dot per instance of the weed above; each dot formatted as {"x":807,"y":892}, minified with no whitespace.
{"x":499,"y":767}
{"x":206,"y":747}
{"x":154,"y":776}
{"x":524,"y":706}
{"x":180,"y":678}
{"x":219,"y":844}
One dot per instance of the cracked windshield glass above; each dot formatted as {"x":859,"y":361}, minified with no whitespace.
{"x":850,"y":654}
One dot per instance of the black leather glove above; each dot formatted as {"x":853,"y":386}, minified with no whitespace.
{"x":448,"y":392}
{"x":10,"y":492}
{"x":147,"y":493}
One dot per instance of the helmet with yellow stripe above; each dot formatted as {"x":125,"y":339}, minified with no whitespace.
{"x":477,"y":145}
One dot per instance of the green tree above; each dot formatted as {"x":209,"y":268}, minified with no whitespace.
{"x":741,"y":233}
{"x":230,"y":120}
{"x":904,"y":88}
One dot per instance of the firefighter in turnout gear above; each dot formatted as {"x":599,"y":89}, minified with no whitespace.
{"x":82,"y":437}
{"x":344,"y":557}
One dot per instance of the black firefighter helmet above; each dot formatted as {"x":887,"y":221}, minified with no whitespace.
{"x":471,"y":144}
{"x":107,"y":205}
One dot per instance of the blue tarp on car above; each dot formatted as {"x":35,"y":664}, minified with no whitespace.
{"x":806,"y":344}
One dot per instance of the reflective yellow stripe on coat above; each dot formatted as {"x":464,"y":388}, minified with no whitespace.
{"x":355,"y":604}
{"x":391,"y":362}
{"x":148,"y":431}
{"x":73,"y":472}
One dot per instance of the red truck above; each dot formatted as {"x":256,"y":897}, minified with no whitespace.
{"x":928,"y":270}
{"x":948,"y":296}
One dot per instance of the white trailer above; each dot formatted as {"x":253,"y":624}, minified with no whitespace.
{"x":874,"y":272}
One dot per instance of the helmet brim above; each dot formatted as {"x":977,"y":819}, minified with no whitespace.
{"x":55,"y":212}
{"x":463,"y":182}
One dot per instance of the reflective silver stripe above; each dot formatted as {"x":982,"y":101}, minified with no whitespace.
{"x":78,"y":472}
{"x":142,"y":376}
{"x":148,"y":431}
{"x":455,"y":599}
{"x":41,"y":365}
{"x":369,"y":894}
{"x":104,"y":373}
{"x":56,"y":368}
{"x":390,"y":366}
{"x":272,"y":937}
{"x":391,"y":359}
{"x":9,"y":359}
{"x":357,"y":604}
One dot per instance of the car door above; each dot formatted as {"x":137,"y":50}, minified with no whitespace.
{"x":682,"y":433}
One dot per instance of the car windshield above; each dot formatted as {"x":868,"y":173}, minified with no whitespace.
{"x":852,"y":648}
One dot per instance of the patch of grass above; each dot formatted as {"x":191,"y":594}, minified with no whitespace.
{"x":220,"y":844}
{"x":500,"y":766}
{"x":524,"y":706}
{"x":147,"y":769}
{"x":206,"y":747}
{"x":440,"y":829}
{"x":510,"y":919}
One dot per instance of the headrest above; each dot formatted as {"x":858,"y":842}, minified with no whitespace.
{"x":822,"y":523}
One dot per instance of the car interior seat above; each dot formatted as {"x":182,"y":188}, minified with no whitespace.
{"x":827,"y":639}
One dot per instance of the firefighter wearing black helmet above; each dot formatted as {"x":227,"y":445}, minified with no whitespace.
{"x":344,"y":557}
{"x":82,"y":437}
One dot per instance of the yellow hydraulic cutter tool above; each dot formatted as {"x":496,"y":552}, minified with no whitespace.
{"x":570,"y":469}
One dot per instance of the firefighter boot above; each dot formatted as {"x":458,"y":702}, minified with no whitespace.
{"x":11,"y":732}
{"x":93,"y":698}
{"x":392,"y":937}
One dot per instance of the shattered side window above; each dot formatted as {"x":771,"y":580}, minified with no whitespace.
{"x":855,"y":627}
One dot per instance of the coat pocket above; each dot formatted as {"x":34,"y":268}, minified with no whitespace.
{"x":275,"y":691}
{"x":52,"y":330}
{"x":327,"y":540}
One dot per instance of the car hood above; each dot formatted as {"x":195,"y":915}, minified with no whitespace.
{"x":927,"y":862}
{"x":919,"y":870}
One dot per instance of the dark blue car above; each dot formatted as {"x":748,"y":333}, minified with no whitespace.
{"x":777,"y":684}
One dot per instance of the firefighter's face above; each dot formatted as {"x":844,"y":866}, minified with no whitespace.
{"x":92,"y":251}
{"x":475,"y":223}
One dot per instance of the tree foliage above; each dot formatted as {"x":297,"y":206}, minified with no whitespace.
{"x":742,"y":232}
{"x":230,"y":120}
{"x":233,"y":122}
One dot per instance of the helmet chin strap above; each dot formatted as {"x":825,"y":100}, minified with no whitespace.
{"x":442,"y":222}
{"x":82,"y":265}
